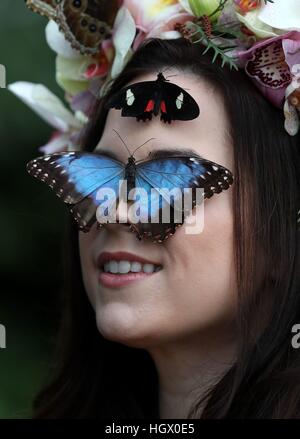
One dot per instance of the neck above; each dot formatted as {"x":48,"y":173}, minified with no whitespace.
{"x":188,"y":368}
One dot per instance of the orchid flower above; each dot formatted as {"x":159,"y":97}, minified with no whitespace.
{"x":70,"y":64}
{"x":271,"y":64}
{"x":74,"y":70}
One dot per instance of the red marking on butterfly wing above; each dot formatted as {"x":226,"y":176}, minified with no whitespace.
{"x":163,"y":107}
{"x":150,"y":106}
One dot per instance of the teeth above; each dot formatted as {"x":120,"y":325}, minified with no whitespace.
{"x":148,"y":268}
{"x":135,"y":267}
{"x":123,"y":267}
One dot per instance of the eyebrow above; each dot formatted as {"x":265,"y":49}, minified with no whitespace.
{"x":160,"y":153}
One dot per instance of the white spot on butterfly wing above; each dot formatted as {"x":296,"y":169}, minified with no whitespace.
{"x":179,"y":101}
{"x":129,"y":97}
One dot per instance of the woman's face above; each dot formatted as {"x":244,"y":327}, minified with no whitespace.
{"x":195,"y":289}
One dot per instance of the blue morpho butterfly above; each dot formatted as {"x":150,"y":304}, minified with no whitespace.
{"x":76,"y":178}
{"x":143,"y":99}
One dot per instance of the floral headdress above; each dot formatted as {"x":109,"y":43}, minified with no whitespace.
{"x":260,"y":36}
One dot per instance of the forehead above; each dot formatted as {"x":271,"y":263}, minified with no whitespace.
{"x":207,"y":135}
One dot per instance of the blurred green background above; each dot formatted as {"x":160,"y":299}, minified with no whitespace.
{"x":30,"y":220}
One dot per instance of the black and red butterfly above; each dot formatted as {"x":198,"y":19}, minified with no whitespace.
{"x":144,"y":99}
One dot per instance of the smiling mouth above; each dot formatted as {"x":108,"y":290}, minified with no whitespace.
{"x":118,"y":274}
{"x":124,"y":267}
{"x":118,"y":269}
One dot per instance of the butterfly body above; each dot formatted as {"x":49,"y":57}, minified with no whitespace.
{"x":85,"y":23}
{"x":145,"y":99}
{"x":76,"y":178}
{"x":130,"y":172}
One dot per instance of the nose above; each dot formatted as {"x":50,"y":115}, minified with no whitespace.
{"x":121,"y":219}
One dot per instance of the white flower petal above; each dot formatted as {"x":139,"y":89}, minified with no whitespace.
{"x":123,"y":37}
{"x":261,"y":30}
{"x":58,"y":144}
{"x":282,"y":14}
{"x":166,"y":13}
{"x":292,"y":123}
{"x":45,"y":104}
{"x":186,"y":5}
{"x":58,"y":43}
{"x":170,"y":35}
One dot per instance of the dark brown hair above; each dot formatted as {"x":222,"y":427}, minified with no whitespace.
{"x":264,"y":382}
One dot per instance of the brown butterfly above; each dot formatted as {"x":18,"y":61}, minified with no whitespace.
{"x":85,"y":23}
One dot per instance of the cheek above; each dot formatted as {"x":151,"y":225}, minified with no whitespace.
{"x":203,"y":279}
{"x":194,"y":292}
{"x":88,"y":268}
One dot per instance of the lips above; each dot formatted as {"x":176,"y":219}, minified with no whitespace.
{"x":122,"y":256}
{"x":117,"y":280}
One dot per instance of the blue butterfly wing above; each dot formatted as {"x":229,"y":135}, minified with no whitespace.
{"x":152,"y":202}
{"x":76,"y":178}
{"x":177,"y":173}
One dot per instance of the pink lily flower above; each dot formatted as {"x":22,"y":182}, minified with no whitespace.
{"x":156,"y":18}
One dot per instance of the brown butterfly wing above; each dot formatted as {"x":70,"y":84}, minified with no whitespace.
{"x":86,"y":23}
{"x":43,"y":7}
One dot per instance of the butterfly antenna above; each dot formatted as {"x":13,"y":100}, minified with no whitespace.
{"x":123,"y":142}
{"x":153,"y":138}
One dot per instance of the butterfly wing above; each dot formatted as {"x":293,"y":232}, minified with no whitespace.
{"x":143,"y":99}
{"x":177,"y":104}
{"x":79,"y":20}
{"x":152,"y":203}
{"x":76,"y":178}
{"x":178,"y":172}
{"x":138,"y":100}
{"x":43,"y":7}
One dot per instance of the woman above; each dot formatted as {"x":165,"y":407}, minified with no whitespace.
{"x":208,"y":335}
